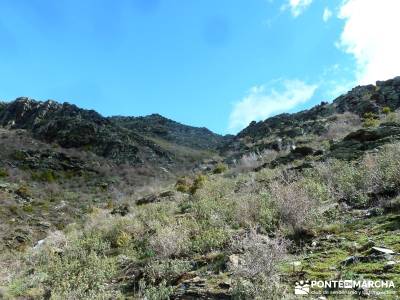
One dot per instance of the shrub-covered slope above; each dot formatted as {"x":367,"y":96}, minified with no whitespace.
{"x":308,"y":196}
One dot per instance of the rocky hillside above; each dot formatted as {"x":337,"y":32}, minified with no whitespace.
{"x":151,"y":140}
{"x":360,"y":100}
{"x":157,"y":127}
{"x":323,"y":129}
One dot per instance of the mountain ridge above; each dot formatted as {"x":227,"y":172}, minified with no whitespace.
{"x":111,"y":137}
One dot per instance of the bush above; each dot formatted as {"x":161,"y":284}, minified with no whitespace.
{"x":3,"y":173}
{"x":209,"y":239}
{"x":220,"y":168}
{"x":355,"y":182}
{"x":169,"y":270}
{"x":170,"y":241}
{"x":392,"y":205}
{"x":346,"y":181}
{"x":198,"y":183}
{"x":392,"y":117}
{"x":315,"y":188}
{"x":386,"y":110}
{"x":81,"y":270}
{"x":183,"y":185}
{"x":122,"y":239}
{"x":252,"y":210}
{"x":261,"y":255}
{"x":257,"y":276}
{"x":213,"y":204}
{"x":45,"y":176}
{"x":295,"y":206}
{"x":370,"y":120}
{"x":388,"y":169}
{"x":155,"y":292}
{"x":247,"y":162}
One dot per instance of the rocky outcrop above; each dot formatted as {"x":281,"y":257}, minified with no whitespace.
{"x":49,"y":160}
{"x":356,"y":143}
{"x":370,"y":98}
{"x":153,"y":198}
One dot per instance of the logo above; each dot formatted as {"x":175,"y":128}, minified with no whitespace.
{"x":302,"y":287}
{"x":343,"y":287}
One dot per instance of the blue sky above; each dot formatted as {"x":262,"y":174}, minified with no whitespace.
{"x":218,"y":64}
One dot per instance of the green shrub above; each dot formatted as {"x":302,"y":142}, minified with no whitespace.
{"x":82,"y":271}
{"x":170,"y":241}
{"x":168,"y":269}
{"x":155,"y":292}
{"x":19,"y":155}
{"x":386,"y":110}
{"x":45,"y":176}
{"x":220,"y":168}
{"x":183,"y":185}
{"x":370,"y":120}
{"x":348,"y":182}
{"x":122,"y":239}
{"x":268,"y":217}
{"x":392,"y":117}
{"x":198,"y":183}
{"x":355,"y":181}
{"x":27,"y":208}
{"x":315,"y":188}
{"x":209,"y":239}
{"x":367,"y":123}
{"x":3,"y":173}
{"x":214,"y":211}
{"x":388,"y":169}
{"x":254,"y":210}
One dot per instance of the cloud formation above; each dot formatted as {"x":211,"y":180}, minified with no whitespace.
{"x":370,"y":34}
{"x":327,"y":14}
{"x":297,"y":7}
{"x":262,"y":102}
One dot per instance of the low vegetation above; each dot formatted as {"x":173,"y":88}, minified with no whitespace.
{"x":226,"y":226}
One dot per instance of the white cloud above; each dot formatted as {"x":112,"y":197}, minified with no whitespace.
{"x":327,"y":14}
{"x":262,"y":102}
{"x":297,"y":7}
{"x":371,"y":34}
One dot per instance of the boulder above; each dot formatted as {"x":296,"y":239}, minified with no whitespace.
{"x":357,"y":143}
{"x":379,"y":250}
{"x":121,"y":210}
{"x":153,"y":198}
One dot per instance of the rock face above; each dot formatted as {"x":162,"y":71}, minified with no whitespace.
{"x":124,"y":140}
